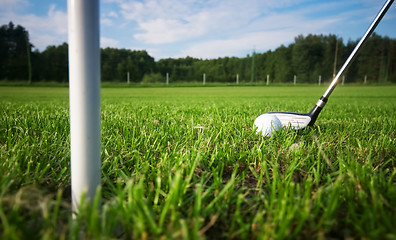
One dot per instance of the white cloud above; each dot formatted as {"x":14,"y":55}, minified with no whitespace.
{"x":106,"y":22}
{"x":112,"y":1}
{"x":173,"y":21}
{"x":152,"y":9}
{"x":108,"y":19}
{"x":56,"y":20}
{"x":112,"y":14}
{"x":12,"y":5}
{"x":108,"y":42}
{"x":167,"y":31}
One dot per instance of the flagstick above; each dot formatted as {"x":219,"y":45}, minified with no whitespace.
{"x":84,"y":93}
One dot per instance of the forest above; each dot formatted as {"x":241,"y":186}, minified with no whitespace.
{"x":307,"y":58}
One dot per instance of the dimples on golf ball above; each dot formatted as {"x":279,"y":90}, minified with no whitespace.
{"x":267,"y":124}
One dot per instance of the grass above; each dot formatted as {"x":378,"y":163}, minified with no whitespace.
{"x":184,"y":163}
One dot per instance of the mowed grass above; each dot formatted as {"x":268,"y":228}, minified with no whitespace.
{"x":185,"y":163}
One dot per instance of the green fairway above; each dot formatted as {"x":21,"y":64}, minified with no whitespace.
{"x":185,"y":163}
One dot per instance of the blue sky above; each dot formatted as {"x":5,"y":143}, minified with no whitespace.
{"x":202,"y":28}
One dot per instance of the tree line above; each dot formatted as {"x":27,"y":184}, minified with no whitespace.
{"x":307,"y":58}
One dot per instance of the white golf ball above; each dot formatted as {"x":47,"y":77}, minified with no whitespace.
{"x":267,"y":124}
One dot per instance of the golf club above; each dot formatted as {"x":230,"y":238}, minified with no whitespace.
{"x":302,"y":120}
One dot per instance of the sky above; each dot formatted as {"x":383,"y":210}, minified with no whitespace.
{"x":203,"y":29}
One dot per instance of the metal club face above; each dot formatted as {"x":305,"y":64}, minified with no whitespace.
{"x":292,"y":120}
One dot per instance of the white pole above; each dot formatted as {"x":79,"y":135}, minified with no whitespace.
{"x":295,"y":80}
{"x":204,"y":78}
{"x":320,"y":79}
{"x":267,"y":79}
{"x":84,"y":93}
{"x":343,"y":79}
{"x":237,"y":78}
{"x":365,"y":79}
{"x":167,"y":78}
{"x":128,"y":77}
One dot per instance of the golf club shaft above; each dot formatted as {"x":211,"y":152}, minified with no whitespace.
{"x":369,"y":31}
{"x":323,"y":100}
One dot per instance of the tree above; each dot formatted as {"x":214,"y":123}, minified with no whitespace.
{"x":54,"y":64}
{"x":307,"y":57}
{"x":282,"y":69}
{"x":116,"y":63}
{"x":15,"y":49}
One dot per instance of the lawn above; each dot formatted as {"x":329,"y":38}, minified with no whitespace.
{"x":185,"y":163}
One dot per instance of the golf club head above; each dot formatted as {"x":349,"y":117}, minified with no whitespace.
{"x":297,"y":121}
{"x":292,"y":120}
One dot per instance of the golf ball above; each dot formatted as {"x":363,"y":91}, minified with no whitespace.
{"x":267,"y":124}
